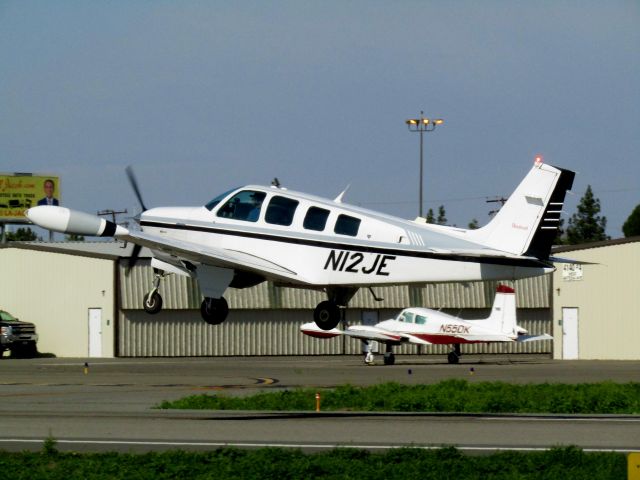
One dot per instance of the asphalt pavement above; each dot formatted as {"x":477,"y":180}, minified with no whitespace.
{"x":109,"y":405}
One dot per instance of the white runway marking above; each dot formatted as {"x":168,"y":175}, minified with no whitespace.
{"x":298,"y":445}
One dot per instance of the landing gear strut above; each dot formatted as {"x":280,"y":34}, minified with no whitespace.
{"x":152,"y":302}
{"x":214,"y":311}
{"x":455,"y":354}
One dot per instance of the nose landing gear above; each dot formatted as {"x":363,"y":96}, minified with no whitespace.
{"x":152,"y":303}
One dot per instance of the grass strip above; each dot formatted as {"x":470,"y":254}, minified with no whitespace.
{"x":281,"y":464}
{"x":446,"y":396}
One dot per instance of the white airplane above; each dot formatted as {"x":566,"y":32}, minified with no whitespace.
{"x":423,"y":326}
{"x":255,"y":233}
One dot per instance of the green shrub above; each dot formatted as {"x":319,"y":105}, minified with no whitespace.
{"x":446,"y":396}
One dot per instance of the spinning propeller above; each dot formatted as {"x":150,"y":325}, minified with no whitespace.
{"x":135,"y":254}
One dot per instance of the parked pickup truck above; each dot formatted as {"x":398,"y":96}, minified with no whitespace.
{"x":19,"y":337}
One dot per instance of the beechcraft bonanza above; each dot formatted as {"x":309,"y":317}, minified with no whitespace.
{"x":255,"y":233}
{"x":423,"y":326}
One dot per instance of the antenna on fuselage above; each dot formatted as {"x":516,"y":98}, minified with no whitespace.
{"x":339,"y":198}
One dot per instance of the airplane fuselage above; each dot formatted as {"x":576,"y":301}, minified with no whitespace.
{"x":353,"y":246}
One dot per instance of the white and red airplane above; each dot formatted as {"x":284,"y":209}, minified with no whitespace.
{"x":423,"y":326}
{"x":255,"y":233}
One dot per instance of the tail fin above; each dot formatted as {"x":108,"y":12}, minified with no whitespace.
{"x":503,"y":312}
{"x":528,"y":222}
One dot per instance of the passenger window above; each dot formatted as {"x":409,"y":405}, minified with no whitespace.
{"x":316,"y":219}
{"x":346,"y":225}
{"x":280,"y":211}
{"x":420,"y":320}
{"x":244,"y":205}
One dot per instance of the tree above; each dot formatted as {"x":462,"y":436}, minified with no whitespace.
{"x":74,"y":237}
{"x":586,"y":225}
{"x":442,"y":216}
{"x":631,"y":226}
{"x":22,"y":235}
{"x":561,"y":234}
{"x":430,"y":216}
{"x":473,"y":224}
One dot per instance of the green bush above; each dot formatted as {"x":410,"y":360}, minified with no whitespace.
{"x":447,"y":396}
{"x":281,"y":464}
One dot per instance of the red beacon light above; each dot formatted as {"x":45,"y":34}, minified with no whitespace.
{"x":538,"y":160}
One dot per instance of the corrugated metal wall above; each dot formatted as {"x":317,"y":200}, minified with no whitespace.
{"x":180,"y":293}
{"x":276,"y":332}
{"x":265,"y":320}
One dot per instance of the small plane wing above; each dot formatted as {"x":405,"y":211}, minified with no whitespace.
{"x":533,"y":338}
{"x":219,"y":257}
{"x":362,"y":332}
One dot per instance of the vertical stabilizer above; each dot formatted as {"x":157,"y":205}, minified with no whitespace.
{"x":528,"y":222}
{"x":503,"y":312}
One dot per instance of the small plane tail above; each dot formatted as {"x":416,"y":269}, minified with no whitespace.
{"x":503,"y":312}
{"x":528,"y":222}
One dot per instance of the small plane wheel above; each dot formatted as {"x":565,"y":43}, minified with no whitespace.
{"x":214,"y":311}
{"x":453,"y":357}
{"x":327,"y":315}
{"x":389,"y":359}
{"x":152,"y":303}
{"x":369,"y":358}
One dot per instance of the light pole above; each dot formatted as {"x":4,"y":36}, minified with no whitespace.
{"x":422,"y":125}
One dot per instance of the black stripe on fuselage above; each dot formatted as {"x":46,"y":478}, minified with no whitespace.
{"x":513,"y":262}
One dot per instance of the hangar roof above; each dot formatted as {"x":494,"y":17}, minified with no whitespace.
{"x":605,"y":243}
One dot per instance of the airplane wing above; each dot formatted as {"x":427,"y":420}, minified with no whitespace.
{"x":362,"y":332}
{"x":218,"y":257}
{"x":533,"y":338}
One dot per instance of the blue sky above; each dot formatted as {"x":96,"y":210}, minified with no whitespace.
{"x":203,"y":96}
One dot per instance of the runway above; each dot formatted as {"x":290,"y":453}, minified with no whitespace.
{"x":111,"y":407}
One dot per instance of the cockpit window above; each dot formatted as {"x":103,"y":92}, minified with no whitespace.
{"x":346,"y":225}
{"x":244,"y":205}
{"x":406,"y":317}
{"x":280,"y":211}
{"x":212,"y":204}
{"x":316,"y":219}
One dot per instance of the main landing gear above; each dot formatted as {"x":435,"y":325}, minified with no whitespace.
{"x":389,"y":357}
{"x":455,"y":354}
{"x":328,"y":314}
{"x":214,"y":311}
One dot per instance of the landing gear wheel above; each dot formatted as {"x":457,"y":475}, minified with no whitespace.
{"x":152,"y":302}
{"x":214,"y":311}
{"x":453,"y":357}
{"x":389,"y":359}
{"x":327,"y":315}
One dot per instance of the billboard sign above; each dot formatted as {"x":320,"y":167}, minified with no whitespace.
{"x":25,"y":190}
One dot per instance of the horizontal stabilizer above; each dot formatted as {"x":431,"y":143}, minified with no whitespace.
{"x":534,"y":338}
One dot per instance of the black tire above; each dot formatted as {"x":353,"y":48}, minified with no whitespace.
{"x":24,"y":351}
{"x":327,"y":315}
{"x":152,"y":304}
{"x":389,"y":360}
{"x":214,"y":311}
{"x":453,"y":357}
